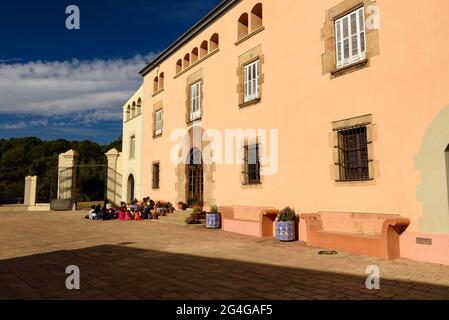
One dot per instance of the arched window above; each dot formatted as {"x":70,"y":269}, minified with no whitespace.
{"x":186,"y":63}
{"x":214,"y":42}
{"x":161,"y":81}
{"x":243,"y":26}
{"x":194,"y":55}
{"x":256,"y":17}
{"x":179,"y":66}
{"x":156,"y":85}
{"x":133,"y":110}
{"x":204,"y":49}
{"x":139,"y":106}
{"x":128,"y":112}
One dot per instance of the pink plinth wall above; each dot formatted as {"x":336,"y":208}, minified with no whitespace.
{"x":438,"y":252}
{"x":243,"y":227}
{"x":302,"y":231}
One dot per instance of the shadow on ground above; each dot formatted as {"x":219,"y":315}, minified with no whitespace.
{"x":122,"y":272}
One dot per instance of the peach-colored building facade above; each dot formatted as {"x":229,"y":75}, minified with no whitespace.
{"x":357,"y":89}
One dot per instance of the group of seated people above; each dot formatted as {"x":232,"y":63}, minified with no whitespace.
{"x":138,"y":212}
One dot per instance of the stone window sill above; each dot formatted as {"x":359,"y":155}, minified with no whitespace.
{"x":156,"y":136}
{"x":252,"y":34}
{"x":350,"y":67}
{"x":190,"y":122}
{"x":249,"y":103}
{"x":193,"y":65}
{"x":156,"y":93}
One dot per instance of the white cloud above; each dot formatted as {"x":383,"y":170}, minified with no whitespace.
{"x":89,"y":91}
{"x":13,"y":126}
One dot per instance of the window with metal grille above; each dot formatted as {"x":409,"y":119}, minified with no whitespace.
{"x":195,"y":101}
{"x":353,"y":154}
{"x":350,"y":38}
{"x":251,"y":83}
{"x":158,"y":130}
{"x":156,"y":170}
{"x":252,"y":164}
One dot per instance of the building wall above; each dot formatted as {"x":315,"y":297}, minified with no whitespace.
{"x":404,"y":87}
{"x":132,"y":165}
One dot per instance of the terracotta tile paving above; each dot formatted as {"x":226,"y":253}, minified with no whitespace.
{"x":155,"y":260}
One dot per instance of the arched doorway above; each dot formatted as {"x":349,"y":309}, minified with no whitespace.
{"x":131,"y":194}
{"x":195,"y":188}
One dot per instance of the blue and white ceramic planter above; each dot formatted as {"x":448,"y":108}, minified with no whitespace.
{"x":285,"y":231}
{"x":213,"y":221}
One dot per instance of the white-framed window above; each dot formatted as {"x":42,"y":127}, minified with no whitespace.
{"x":159,"y":122}
{"x":195,"y":101}
{"x":132,"y":146}
{"x":251,"y":83}
{"x":350,"y":38}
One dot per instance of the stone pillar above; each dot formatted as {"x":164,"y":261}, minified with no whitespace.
{"x":30,"y":191}
{"x":67,"y":175}
{"x":114,"y":177}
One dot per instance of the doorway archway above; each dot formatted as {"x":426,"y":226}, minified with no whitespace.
{"x":195,"y":177}
{"x":131,"y":188}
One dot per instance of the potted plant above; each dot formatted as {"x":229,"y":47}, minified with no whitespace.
{"x":213,"y":218}
{"x":286,"y":225}
{"x":192,"y":219}
{"x":199,"y":214}
{"x":155,"y":214}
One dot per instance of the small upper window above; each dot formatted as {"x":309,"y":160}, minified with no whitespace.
{"x":195,"y":101}
{"x":156,"y":84}
{"x":161,"y":81}
{"x":214,"y":42}
{"x":139,"y":106}
{"x":132,"y":147}
{"x":204,"y":49}
{"x":256,"y":17}
{"x":133,"y":110}
{"x":243,"y":26}
{"x":251,"y":83}
{"x":159,"y":120}
{"x":128,"y":113}
{"x":194,"y":55}
{"x":179,"y":66}
{"x":350,"y":38}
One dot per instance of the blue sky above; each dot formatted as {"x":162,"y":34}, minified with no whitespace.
{"x":60,"y":83}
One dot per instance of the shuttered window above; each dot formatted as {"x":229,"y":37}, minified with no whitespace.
{"x":353,"y":154}
{"x":251,"y":76}
{"x":156,"y":169}
{"x":252,"y":164}
{"x":132,"y":147}
{"x":350,"y":38}
{"x":195,"y":101}
{"x":159,"y":122}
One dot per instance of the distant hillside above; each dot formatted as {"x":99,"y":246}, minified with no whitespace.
{"x":20,"y":157}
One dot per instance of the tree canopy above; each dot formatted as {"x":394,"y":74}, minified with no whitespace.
{"x":21,"y":157}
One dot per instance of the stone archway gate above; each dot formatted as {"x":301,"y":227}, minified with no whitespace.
{"x":67,"y":180}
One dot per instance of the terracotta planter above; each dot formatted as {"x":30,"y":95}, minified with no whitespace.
{"x":213,"y":221}
{"x":286,"y":231}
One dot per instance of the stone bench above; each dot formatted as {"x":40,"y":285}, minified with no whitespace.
{"x":253,"y":221}
{"x":370,"y":234}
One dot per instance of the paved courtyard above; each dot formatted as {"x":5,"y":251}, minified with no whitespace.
{"x":156,"y":260}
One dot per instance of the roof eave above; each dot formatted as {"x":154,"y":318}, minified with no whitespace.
{"x":211,"y":17}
